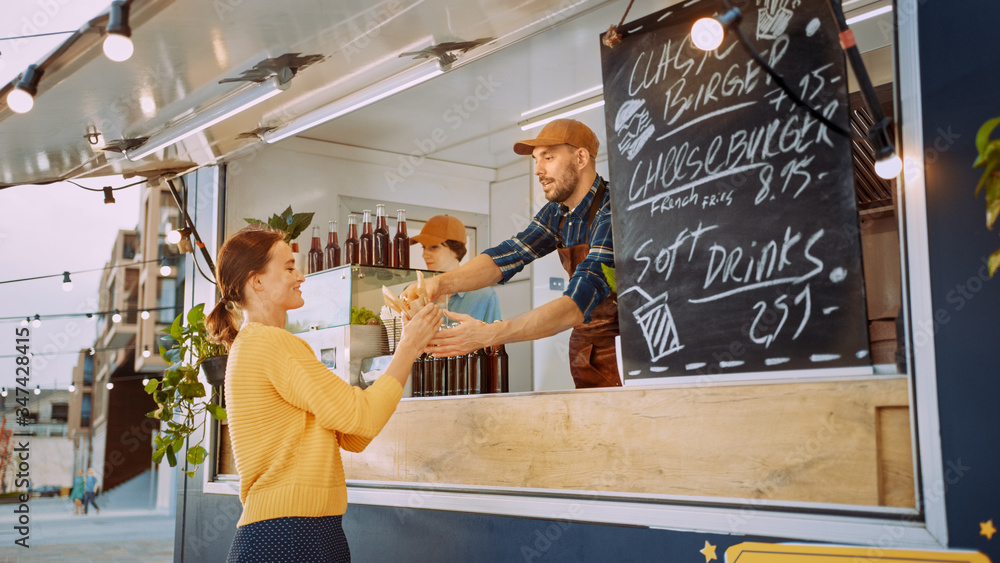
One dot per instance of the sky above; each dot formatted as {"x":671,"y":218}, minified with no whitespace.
{"x":46,"y":230}
{"x":50,"y":229}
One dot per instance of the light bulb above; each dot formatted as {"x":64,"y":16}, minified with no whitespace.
{"x":3,"y":392}
{"x":67,"y":286}
{"x":38,"y":390}
{"x":72,"y":388}
{"x":20,"y":101}
{"x":145,"y":352}
{"x":110,"y":386}
{"x":707,"y":34}
{"x":174,"y":236}
{"x":37,"y":322}
{"x":92,"y":351}
{"x":118,"y":47}
{"x":144,"y":315}
{"x":164,"y":270}
{"x":25,"y":323}
{"x":889,"y":167}
{"x":116,"y":318}
{"x":145,"y":381}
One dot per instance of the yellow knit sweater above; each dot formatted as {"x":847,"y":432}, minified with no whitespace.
{"x":288,"y":418}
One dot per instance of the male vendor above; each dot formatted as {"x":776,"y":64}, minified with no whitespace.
{"x":577,"y":223}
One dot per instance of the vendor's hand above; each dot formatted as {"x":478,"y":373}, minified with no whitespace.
{"x":417,"y":332}
{"x":469,"y":336}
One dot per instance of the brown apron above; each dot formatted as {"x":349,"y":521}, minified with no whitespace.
{"x":592,"y":358}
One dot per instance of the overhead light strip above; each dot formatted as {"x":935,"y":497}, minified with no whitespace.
{"x":577,"y":108}
{"x":353,"y":102}
{"x":589,"y":92}
{"x":238,"y":102}
{"x":869,"y":15}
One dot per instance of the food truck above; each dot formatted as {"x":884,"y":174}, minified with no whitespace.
{"x":807,"y":349}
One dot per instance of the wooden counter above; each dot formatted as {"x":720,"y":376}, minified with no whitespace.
{"x":843,"y":441}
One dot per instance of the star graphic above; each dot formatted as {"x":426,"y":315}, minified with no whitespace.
{"x":709,"y":552}
{"x":986,"y":529}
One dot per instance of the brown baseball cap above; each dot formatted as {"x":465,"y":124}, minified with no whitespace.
{"x":558,"y":132}
{"x":439,"y":229}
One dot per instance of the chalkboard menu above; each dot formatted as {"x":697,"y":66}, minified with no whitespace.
{"x":734,"y":212}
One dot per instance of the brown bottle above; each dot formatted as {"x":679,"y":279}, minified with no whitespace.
{"x":438,"y":375}
{"x":367,"y":238}
{"x":485,"y":369}
{"x":498,"y":370}
{"x":331,"y":254}
{"x":462,"y":366}
{"x":451,"y":381}
{"x":382,"y":253}
{"x":315,"y":252}
{"x":401,"y":242}
{"x":416,"y":377}
{"x":352,"y":246}
{"x":427,"y":376}
{"x":475,"y":379}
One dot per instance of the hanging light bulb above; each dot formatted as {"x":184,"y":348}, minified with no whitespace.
{"x":3,"y":391}
{"x":38,"y":389}
{"x":22,"y":98}
{"x":109,"y":196}
{"x":164,"y":268}
{"x":92,"y":351}
{"x":37,"y":322}
{"x":26,"y":321}
{"x":144,"y":315}
{"x":118,"y":44}
{"x":145,"y":381}
{"x":110,"y":386}
{"x":72,"y":388}
{"x":67,"y":284}
{"x":707,"y":33}
{"x":117,"y":317}
{"x":174,"y":236}
{"x":888,"y":167}
{"x":145,"y":352}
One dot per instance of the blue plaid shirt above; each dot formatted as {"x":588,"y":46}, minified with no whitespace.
{"x":587,"y":286}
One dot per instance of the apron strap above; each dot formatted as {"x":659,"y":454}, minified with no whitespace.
{"x":595,"y":205}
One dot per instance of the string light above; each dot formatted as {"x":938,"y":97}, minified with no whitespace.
{"x":72,"y":388}
{"x":145,"y":381}
{"x":38,"y":389}
{"x":22,"y":98}
{"x":144,"y":315}
{"x":67,"y":284}
{"x":26,"y":322}
{"x":37,"y":322}
{"x":3,"y":392}
{"x":109,"y":196}
{"x":110,"y":386}
{"x":145,"y":352}
{"x":118,"y":44}
{"x":117,"y":317}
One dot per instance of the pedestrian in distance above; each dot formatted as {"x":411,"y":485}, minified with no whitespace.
{"x":76,"y":494}
{"x":90,"y":490}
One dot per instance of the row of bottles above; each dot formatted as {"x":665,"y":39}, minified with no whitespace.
{"x":372,"y":248}
{"x":480,"y":372}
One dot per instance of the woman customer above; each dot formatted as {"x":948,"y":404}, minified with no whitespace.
{"x":443,"y":239}
{"x":288,"y":415}
{"x":77,"y":493}
{"x":90,"y":489}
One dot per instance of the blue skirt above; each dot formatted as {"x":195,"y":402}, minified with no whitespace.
{"x":295,"y":539}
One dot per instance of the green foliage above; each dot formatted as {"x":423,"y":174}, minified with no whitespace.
{"x":292,"y":224}
{"x":609,"y":274}
{"x":362,"y":316}
{"x":989,"y":158}
{"x":179,"y":395}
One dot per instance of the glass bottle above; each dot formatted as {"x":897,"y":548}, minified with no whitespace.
{"x":331,"y":254}
{"x":485,"y":370}
{"x":451,"y":386}
{"x":352,"y":247}
{"x":503,"y":361}
{"x":498,"y":370}
{"x":367,"y":244}
{"x":462,"y":365}
{"x":315,"y":252}
{"x":438,"y":372}
{"x":416,"y":377}
{"x":475,"y":380}
{"x":382,"y":254}
{"x":401,"y":242}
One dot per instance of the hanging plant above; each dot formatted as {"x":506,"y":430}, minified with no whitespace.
{"x":291,"y":224}
{"x":989,"y":158}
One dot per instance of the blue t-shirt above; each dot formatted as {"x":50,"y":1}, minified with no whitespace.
{"x":483,"y":304}
{"x":91,"y":484}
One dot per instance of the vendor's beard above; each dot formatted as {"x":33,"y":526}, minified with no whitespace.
{"x":564,"y":186}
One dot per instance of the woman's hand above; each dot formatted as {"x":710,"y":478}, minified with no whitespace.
{"x":417,"y":332}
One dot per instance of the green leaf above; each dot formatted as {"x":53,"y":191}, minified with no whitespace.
{"x":990,"y":172}
{"x":171,"y":458}
{"x":609,"y":274}
{"x":175,"y":328}
{"x":218,"y":412}
{"x":992,"y":211}
{"x":190,"y":474}
{"x":158,"y":454}
{"x":994,"y":262}
{"x":196,"y":316}
{"x":191,"y":389}
{"x":983,"y":136}
{"x":151,"y":386}
{"x":255,"y":222}
{"x":163,"y":413}
{"x":196,"y":455}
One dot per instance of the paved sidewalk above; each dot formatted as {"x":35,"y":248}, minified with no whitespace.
{"x":56,"y":535}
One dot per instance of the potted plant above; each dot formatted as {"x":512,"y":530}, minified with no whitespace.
{"x":179,"y":395}
{"x":989,"y":158}
{"x":292,"y":225}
